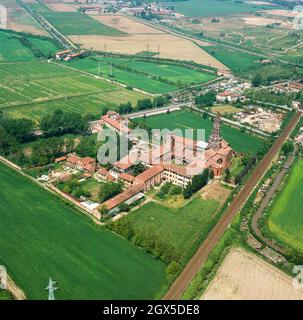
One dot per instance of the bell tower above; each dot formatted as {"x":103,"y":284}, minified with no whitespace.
{"x":215,"y":138}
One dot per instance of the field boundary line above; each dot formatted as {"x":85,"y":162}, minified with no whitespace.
{"x":105,"y":79}
{"x":174,"y":33}
{"x":53,"y":190}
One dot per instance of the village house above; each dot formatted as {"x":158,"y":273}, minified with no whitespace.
{"x":177,"y":175}
{"x":122,"y":166}
{"x":150,"y":177}
{"x":86,"y":164}
{"x":116,"y":122}
{"x":102,"y":174}
{"x":128,"y":196}
{"x":127,"y":179}
{"x":228,"y":96}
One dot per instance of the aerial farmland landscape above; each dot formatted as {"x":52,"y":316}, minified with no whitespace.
{"x":151,"y":151}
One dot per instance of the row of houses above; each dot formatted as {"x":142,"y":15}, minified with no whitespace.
{"x":291,"y":87}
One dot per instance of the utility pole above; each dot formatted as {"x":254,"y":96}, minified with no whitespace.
{"x":99,"y":68}
{"x":51,"y":288}
{"x":111,"y":70}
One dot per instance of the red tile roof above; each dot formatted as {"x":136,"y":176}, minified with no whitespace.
{"x":176,"y":169}
{"x":149,"y":173}
{"x":127,"y":177}
{"x":122,"y":197}
{"x":60,"y":159}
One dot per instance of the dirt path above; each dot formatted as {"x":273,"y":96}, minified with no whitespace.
{"x":190,"y":271}
{"x":17,"y":293}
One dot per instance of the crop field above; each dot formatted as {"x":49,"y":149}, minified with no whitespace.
{"x":56,"y":241}
{"x":136,"y":35}
{"x":285,"y":216}
{"x":129,"y":78}
{"x":11,"y":49}
{"x":44,"y":87}
{"x":241,"y":142}
{"x":183,"y":228}
{"x":18,"y":19}
{"x":46,"y":47}
{"x":245,"y":276}
{"x":215,"y":8}
{"x":71,"y":23}
{"x":137,"y":73}
{"x":237,"y":61}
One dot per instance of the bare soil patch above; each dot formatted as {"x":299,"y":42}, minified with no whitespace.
{"x":20,"y":20}
{"x":59,"y":6}
{"x":125,"y":24}
{"x":215,"y":191}
{"x":260,"y":21}
{"x":283,"y":13}
{"x":170,"y":46}
{"x":139,"y":36}
{"x":244,"y":276}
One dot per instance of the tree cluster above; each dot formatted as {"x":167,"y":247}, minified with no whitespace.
{"x":206,"y":100}
{"x":198,"y":182}
{"x":61,"y":122}
{"x":109,"y":190}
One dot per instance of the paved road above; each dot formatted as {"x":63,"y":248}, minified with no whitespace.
{"x":266,"y":200}
{"x":197,"y":261}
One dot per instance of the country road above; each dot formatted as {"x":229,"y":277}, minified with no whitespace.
{"x":192,"y":268}
{"x":265,"y":202}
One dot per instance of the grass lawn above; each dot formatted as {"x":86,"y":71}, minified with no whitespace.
{"x":241,"y":142}
{"x":183,"y":228}
{"x":42,"y":88}
{"x":225,"y":108}
{"x":286,"y":214}
{"x":41,"y":237}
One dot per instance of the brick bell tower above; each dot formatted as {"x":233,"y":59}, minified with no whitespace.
{"x":215,"y":138}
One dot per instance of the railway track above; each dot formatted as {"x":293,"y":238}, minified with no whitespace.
{"x":192,"y":268}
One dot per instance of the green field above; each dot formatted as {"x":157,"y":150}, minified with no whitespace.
{"x":286,"y":214}
{"x":75,"y":23}
{"x":45,"y":87}
{"x":241,"y":142}
{"x":182,"y":228}
{"x":46,"y":47}
{"x":138,"y":73}
{"x":45,"y":238}
{"x":236,"y":60}
{"x":12,"y":49}
{"x":129,"y":78}
{"x":208,"y":8}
